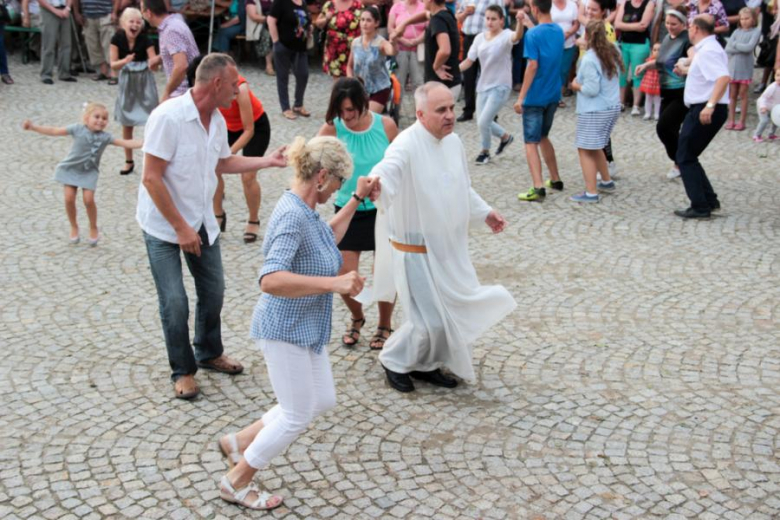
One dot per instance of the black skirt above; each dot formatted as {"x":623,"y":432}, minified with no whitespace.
{"x":360,"y":233}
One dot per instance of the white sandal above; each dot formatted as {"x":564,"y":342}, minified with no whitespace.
{"x":238,"y":496}
{"x":233,"y":456}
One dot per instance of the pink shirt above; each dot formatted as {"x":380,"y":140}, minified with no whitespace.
{"x":411,"y":32}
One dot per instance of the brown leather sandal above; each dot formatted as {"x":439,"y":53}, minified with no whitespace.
{"x":185,"y":387}
{"x":379,"y":338}
{"x":352,"y":336}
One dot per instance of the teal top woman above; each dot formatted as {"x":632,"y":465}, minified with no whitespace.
{"x":366,"y":136}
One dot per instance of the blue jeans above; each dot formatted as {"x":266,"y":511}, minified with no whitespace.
{"x":568,"y":58}
{"x":3,"y":59}
{"x":225,"y":36}
{"x":489,"y":102}
{"x":537,"y":122}
{"x":206,"y":270}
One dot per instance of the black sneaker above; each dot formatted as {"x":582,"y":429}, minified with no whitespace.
{"x":47,"y":81}
{"x":464,"y":117}
{"x":504,"y":144}
{"x":483,"y":158}
{"x":555,"y":185}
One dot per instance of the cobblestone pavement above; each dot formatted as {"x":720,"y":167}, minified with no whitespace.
{"x":638,"y":378}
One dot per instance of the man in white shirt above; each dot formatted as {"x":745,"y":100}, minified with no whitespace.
{"x":427,"y":193}
{"x":185,"y":145}
{"x":706,"y":96}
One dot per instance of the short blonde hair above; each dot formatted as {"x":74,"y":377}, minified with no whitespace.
{"x":91,"y":107}
{"x":324,"y":152}
{"x":130,"y":12}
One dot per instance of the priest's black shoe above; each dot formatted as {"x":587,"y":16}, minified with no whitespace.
{"x":401,"y":382}
{"x":692,"y":213}
{"x":435,"y":377}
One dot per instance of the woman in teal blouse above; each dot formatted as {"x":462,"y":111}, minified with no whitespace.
{"x":366,"y":136}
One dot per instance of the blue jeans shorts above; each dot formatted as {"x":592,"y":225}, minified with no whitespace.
{"x":537,"y":122}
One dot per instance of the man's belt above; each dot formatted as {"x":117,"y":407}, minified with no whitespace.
{"x":408,"y":248}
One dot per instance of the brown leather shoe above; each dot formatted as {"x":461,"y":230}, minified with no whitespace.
{"x":222,"y":364}
{"x":185,"y":387}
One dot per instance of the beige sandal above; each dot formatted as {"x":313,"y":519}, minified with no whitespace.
{"x":239,"y":496}
{"x":289,"y":114}
{"x":231,"y":452}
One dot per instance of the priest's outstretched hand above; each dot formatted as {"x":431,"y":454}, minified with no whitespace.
{"x":495,"y":221}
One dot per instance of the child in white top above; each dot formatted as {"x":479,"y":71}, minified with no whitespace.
{"x":768,"y":100}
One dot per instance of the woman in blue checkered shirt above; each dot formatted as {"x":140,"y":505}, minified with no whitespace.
{"x":292,"y":320}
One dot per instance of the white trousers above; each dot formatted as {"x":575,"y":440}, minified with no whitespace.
{"x":303,"y":384}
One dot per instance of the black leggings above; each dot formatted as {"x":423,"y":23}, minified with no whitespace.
{"x":673,"y":111}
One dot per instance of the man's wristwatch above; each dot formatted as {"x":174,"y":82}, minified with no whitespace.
{"x":709,"y":105}
{"x":355,"y":196}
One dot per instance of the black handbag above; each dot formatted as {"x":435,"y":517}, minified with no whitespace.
{"x":767,"y":50}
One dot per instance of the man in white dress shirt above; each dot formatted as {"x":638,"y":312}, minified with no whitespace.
{"x":426,"y":191}
{"x":707,"y":97}
{"x":185,"y":145}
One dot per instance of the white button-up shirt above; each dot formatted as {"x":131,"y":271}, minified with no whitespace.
{"x":175,"y":134}
{"x":710,"y":62}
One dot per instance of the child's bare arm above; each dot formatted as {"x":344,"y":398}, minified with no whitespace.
{"x":54,"y":131}
{"x":131,"y":144}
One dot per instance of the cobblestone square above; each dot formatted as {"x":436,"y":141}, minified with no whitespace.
{"x":639,"y":376}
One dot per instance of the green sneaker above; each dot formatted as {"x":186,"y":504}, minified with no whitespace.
{"x":556,"y":185}
{"x":533,"y":194}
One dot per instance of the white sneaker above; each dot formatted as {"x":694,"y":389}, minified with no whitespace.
{"x":635,"y":111}
{"x":646,"y":117}
{"x":655,"y":117}
{"x":673,"y":173}
{"x":613,"y":169}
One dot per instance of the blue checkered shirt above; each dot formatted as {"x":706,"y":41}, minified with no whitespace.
{"x":298,"y":241}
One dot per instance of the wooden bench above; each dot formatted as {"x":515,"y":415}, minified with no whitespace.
{"x":28,"y":35}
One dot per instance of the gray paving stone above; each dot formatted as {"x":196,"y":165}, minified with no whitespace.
{"x":637,"y":378}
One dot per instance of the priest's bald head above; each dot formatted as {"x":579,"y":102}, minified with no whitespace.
{"x":435,"y":108}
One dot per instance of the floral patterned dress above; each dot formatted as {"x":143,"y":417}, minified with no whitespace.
{"x":343,"y":27}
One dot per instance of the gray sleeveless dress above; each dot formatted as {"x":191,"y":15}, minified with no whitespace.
{"x":80,"y":167}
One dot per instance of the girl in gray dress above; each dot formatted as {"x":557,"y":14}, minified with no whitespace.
{"x":80,"y":168}
{"x":740,"y":50}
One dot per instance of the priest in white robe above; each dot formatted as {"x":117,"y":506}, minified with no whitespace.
{"x":425,"y":189}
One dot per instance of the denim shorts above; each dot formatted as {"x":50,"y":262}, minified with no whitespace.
{"x":537,"y":122}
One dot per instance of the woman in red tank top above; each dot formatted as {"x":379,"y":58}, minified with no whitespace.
{"x":250,"y":131}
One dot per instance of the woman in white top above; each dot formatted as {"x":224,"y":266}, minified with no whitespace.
{"x":493,"y":49}
{"x":566,"y":14}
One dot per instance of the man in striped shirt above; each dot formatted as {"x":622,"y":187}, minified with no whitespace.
{"x":98,"y":18}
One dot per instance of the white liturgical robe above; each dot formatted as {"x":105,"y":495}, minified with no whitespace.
{"x":426,"y":191}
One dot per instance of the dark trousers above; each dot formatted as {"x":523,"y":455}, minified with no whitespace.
{"x":206,"y":270}
{"x":518,"y":63}
{"x":670,"y":120}
{"x":285,"y":60}
{"x":470,"y":78}
{"x":694,"y":139}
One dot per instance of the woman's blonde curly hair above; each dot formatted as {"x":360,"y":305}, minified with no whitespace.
{"x":308,"y":158}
